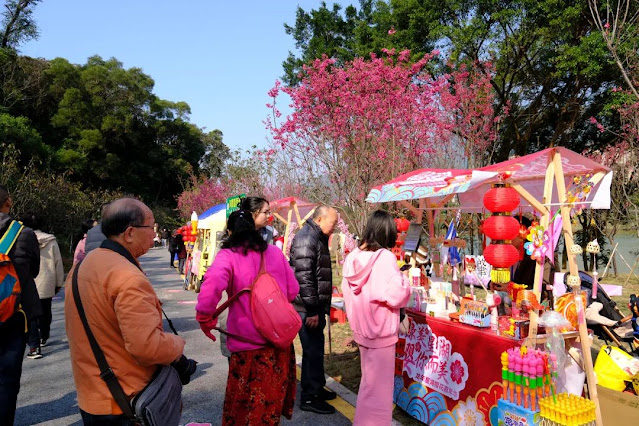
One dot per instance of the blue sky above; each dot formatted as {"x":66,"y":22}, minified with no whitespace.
{"x":219,"y":56}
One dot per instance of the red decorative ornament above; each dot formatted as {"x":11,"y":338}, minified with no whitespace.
{"x":501,"y":255}
{"x":501,"y":199}
{"x":501,"y":227}
{"x":404,"y":224}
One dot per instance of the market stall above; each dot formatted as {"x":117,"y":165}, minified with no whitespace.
{"x":446,"y":370}
{"x":201,"y":252}
{"x":292,"y":212}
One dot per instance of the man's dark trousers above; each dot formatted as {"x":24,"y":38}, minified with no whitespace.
{"x":312,"y":339}
{"x":13,"y":341}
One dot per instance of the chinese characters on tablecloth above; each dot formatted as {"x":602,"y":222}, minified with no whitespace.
{"x":430,"y":359}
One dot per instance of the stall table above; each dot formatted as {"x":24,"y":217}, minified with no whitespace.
{"x":446,"y":371}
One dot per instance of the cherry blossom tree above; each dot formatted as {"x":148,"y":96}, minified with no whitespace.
{"x":361,"y":124}
{"x":618,"y":23}
{"x":201,"y":194}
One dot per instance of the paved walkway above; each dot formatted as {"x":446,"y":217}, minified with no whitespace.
{"x":47,"y":395}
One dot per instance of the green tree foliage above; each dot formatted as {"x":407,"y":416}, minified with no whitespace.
{"x":102,"y":123}
{"x":17,"y":23}
{"x":61,"y":203}
{"x":19,"y":132}
{"x":552,"y":66}
{"x":346,"y":33}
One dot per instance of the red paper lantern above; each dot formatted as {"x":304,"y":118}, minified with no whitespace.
{"x":501,"y":255}
{"x":501,"y":199}
{"x":501,"y":227}
{"x":403,"y":224}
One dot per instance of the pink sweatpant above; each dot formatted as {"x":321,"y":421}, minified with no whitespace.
{"x":375,"y":396}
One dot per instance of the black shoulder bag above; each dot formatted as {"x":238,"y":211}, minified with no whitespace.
{"x":159,"y":403}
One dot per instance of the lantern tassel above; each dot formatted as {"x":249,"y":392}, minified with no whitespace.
{"x":500,"y":275}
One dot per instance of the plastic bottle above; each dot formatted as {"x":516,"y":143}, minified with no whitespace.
{"x":415,"y":276}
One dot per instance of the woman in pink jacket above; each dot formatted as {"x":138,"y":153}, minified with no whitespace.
{"x":261,"y":381}
{"x":374,"y":291}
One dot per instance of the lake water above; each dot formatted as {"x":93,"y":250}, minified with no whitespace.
{"x":627,"y":244}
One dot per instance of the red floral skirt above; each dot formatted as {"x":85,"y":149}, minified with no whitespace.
{"x":260,"y":387}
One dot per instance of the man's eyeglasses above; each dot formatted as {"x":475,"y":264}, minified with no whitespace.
{"x":142,"y":226}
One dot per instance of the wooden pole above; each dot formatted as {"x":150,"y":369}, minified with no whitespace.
{"x":574,"y":271}
{"x":632,"y":272}
{"x":280,"y":218}
{"x":297,"y":213}
{"x":544,"y":220}
{"x":286,"y":232}
{"x":612,"y":255}
{"x":410,"y":207}
{"x":305,"y":218}
{"x":420,"y":212}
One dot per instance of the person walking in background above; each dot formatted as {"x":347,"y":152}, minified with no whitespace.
{"x":49,"y":281}
{"x":95,"y":235}
{"x":79,"y":252}
{"x":165,"y":236}
{"x":374,"y":291}
{"x":181,"y":252}
{"x":311,"y":262}
{"x":261,"y":381}
{"x":124,"y":315}
{"x":172,"y":245}
{"x":261,"y":212}
{"x":25,"y":257}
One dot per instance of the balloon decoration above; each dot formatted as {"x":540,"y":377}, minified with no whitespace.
{"x":501,"y":227}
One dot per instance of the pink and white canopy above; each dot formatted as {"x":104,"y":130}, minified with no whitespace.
{"x":470,"y":185}
{"x":282,"y":207}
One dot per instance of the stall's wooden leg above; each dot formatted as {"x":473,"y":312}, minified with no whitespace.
{"x":632,"y":272}
{"x":297,"y":213}
{"x":572,"y":261}
{"x":612,"y":256}
{"x":286,"y":232}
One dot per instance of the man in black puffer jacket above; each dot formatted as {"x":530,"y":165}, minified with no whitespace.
{"x":311,"y":262}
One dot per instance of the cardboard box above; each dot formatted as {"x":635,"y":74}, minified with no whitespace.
{"x":618,"y":408}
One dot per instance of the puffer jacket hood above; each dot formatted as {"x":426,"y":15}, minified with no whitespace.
{"x":356,"y":273}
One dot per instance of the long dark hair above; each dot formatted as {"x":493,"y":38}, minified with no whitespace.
{"x":380,"y":232}
{"x":253,"y":204}
{"x":243,"y":235}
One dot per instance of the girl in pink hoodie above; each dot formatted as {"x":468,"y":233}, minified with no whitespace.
{"x":374,"y":291}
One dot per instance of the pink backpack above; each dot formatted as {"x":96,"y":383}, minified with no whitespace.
{"x":273,"y":315}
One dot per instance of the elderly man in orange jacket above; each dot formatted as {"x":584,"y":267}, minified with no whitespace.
{"x":124,"y":315}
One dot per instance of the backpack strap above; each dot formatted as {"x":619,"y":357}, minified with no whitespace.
{"x":262,"y":269}
{"x":10,"y":236}
{"x":233,"y":298}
